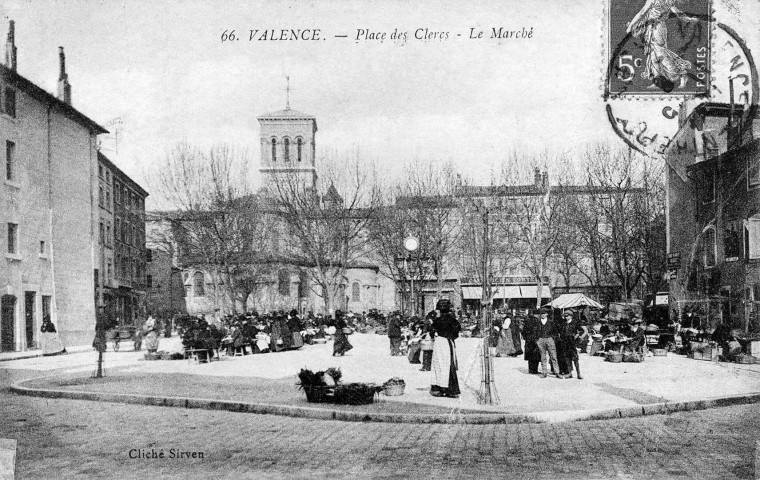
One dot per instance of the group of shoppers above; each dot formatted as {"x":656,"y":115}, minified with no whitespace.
{"x":548,"y":340}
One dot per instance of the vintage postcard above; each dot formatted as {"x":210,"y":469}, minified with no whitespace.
{"x":376,"y":240}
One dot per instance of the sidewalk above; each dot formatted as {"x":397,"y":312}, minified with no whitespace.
{"x":10,"y":356}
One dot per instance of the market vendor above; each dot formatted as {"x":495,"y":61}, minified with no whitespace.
{"x":445,"y":381}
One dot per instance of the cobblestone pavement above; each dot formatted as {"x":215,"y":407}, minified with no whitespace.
{"x":81,"y":439}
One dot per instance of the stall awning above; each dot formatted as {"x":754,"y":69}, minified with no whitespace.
{"x":531,"y":291}
{"x":508,"y":292}
{"x":472,"y":293}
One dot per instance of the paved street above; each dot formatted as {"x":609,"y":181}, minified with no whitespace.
{"x":80,"y":439}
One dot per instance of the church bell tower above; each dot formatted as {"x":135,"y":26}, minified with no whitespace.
{"x":287,"y":148}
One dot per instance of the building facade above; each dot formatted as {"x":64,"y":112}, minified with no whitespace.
{"x":120,"y":275}
{"x":48,"y":210}
{"x":713,"y":217}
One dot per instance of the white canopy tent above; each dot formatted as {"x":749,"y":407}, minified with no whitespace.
{"x":573,"y":300}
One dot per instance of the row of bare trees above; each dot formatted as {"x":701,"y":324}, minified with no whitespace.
{"x":601,"y":224}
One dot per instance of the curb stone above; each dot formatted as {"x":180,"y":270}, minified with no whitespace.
{"x":351,"y":416}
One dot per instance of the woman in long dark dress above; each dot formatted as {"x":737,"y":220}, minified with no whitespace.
{"x":340,"y":344}
{"x":445,"y":381}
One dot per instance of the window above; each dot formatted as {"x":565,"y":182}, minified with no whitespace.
{"x":116,"y":192}
{"x":284,"y":283}
{"x":12,"y":238}
{"x":753,"y":171}
{"x":299,"y":148}
{"x":732,"y":240}
{"x":355,"y":292}
{"x":286,"y":149}
{"x":46,"y":306}
{"x":102,"y":234}
{"x":42,"y":247}
{"x":108,"y":199}
{"x":100,"y":197}
{"x":710,"y":248}
{"x":109,"y":271}
{"x":100,"y":171}
{"x":752,"y":238}
{"x":108,"y":234}
{"x":199,"y":285}
{"x":149,"y":280}
{"x":10,"y":101}
{"x":148,"y":255}
{"x":274,"y":150}
{"x":10,"y":152}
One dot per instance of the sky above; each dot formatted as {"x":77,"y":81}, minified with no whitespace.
{"x":163,"y":69}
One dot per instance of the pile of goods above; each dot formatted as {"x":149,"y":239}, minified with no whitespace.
{"x":325,"y":387}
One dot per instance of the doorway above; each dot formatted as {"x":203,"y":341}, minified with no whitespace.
{"x":29,"y":304}
{"x":7,"y":317}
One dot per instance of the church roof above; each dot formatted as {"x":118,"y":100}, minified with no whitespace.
{"x":287,"y":113}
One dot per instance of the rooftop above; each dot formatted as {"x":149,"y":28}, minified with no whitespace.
{"x":27,"y":86}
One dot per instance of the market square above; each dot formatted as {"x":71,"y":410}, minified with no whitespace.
{"x":247,"y":236}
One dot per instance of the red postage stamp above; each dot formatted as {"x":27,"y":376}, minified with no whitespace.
{"x":659,"y":47}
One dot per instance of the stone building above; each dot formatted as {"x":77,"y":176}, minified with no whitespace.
{"x":120,"y":274}
{"x":713,"y":217}
{"x":48,"y":214}
{"x":287,"y":140}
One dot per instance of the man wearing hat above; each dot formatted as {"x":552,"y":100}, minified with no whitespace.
{"x":545,"y":332}
{"x":568,"y":332}
{"x":638,"y":333}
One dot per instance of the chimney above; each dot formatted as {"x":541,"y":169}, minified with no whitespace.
{"x":10,"y":46}
{"x":537,"y":176}
{"x":64,"y":88}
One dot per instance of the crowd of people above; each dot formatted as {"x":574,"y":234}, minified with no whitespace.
{"x":254,"y":333}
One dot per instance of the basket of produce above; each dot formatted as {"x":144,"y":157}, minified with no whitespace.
{"x":614,"y":357}
{"x":659,"y":352}
{"x":319,"y":386}
{"x":394,"y":387}
{"x":356,"y":393}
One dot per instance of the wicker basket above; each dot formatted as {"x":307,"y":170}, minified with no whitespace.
{"x":394,"y":390}
{"x":614,"y":357}
{"x":659,"y":352}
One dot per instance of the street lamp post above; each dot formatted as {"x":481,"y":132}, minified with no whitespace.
{"x":411,"y":244}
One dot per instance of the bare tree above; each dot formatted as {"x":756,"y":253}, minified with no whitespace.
{"x":535,"y":211}
{"x":328,"y":230}
{"x":627,"y":199}
{"x":217,"y":224}
{"x":422,"y":205}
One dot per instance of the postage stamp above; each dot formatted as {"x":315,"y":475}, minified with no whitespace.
{"x":658,"y":47}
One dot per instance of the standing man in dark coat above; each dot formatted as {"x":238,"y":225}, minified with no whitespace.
{"x":545,"y":331}
{"x":532,"y":355}
{"x":394,"y":333}
{"x":567,"y":333}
